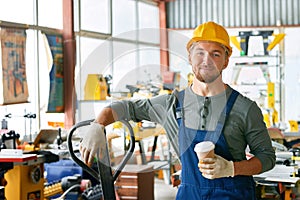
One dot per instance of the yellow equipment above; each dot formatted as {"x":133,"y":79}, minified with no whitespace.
{"x":267,"y":120}
{"x":26,"y":180}
{"x":277,"y":39}
{"x":235,"y":42}
{"x":190,"y":78}
{"x":53,"y":189}
{"x":271,"y":96}
{"x":95,"y":87}
{"x":294,"y":126}
{"x":271,"y":102}
{"x":211,"y":31}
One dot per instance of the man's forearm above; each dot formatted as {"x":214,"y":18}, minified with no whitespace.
{"x":247,"y":167}
{"x":106,"y":116}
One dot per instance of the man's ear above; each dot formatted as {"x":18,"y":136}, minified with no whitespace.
{"x":226,"y":63}
{"x":190,"y":60}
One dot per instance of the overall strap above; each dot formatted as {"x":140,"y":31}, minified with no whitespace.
{"x":179,"y":105}
{"x":220,"y":124}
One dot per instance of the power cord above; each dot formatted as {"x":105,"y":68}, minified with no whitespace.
{"x":62,"y":197}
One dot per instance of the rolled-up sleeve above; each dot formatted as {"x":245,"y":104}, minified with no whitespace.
{"x":160,"y":109}
{"x":153,"y":109}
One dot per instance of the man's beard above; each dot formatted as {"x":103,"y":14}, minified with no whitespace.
{"x":206,"y":78}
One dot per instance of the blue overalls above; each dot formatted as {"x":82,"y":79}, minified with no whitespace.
{"x":193,"y":185}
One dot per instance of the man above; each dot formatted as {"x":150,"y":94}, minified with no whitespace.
{"x":209,"y":109}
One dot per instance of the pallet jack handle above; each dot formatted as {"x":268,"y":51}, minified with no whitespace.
{"x":105,"y":175}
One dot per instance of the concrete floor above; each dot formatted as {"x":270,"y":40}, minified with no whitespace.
{"x":163,"y":191}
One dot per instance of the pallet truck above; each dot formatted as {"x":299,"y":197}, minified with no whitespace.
{"x":105,"y":189}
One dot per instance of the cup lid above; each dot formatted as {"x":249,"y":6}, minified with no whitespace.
{"x":204,"y":146}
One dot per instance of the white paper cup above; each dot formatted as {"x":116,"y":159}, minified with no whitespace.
{"x":205,"y":150}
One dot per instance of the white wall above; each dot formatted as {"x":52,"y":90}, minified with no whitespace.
{"x":292,"y":74}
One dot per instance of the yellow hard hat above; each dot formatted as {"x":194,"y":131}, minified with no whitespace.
{"x":211,"y":31}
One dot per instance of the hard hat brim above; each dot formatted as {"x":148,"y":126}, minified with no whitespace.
{"x":197,"y":39}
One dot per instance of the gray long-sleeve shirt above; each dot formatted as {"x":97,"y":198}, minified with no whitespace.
{"x":244,"y":125}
